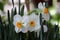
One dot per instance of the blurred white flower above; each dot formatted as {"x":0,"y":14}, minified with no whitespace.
{"x":40,"y":6}
{"x":44,"y":12}
{"x":34,"y":23}
{"x":20,"y":24}
{"x":0,"y":0}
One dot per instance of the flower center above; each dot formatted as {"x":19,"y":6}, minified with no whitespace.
{"x":32,"y":23}
{"x":46,"y":11}
{"x":19,"y":25}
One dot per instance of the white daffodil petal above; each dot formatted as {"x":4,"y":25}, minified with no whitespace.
{"x":17,"y":17}
{"x":24,"y":30}
{"x":30,"y":29}
{"x":37,"y":27}
{"x":25,"y":19}
{"x":17,"y":29}
{"x":45,"y":28}
{"x":46,"y":17}
{"x":32,"y":16}
{"x":40,"y":6}
{"x":38,"y":32}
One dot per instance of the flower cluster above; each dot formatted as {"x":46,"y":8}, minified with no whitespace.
{"x":30,"y":22}
{"x":26,"y":23}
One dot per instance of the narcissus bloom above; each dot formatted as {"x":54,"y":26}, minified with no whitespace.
{"x":19,"y":24}
{"x":34,"y":23}
{"x":45,"y":11}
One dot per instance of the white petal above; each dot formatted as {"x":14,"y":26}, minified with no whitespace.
{"x":38,"y":32}
{"x":24,"y":30}
{"x":46,"y":17}
{"x":33,"y":16}
{"x":45,"y":28}
{"x":30,"y":28}
{"x":40,"y":6}
{"x":43,"y":4}
{"x":15,"y":1}
{"x":17,"y":17}
{"x":37,"y":27}
{"x":25,"y":19}
{"x":17,"y":30}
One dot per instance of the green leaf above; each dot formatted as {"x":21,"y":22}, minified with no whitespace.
{"x":19,"y":7}
{"x":36,"y":11}
{"x":41,"y":31}
{"x":15,"y":12}
{"x":22,"y":11}
{"x":12,"y":14}
{"x":32,"y":36}
{"x":1,"y":6}
{"x":8,"y":16}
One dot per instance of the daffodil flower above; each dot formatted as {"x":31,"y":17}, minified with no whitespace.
{"x":19,"y":24}
{"x":34,"y":23}
{"x":45,"y":12}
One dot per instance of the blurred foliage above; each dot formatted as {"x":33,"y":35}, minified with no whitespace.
{"x":2,"y":4}
{"x":36,"y":11}
{"x":56,"y":16}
